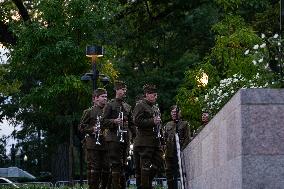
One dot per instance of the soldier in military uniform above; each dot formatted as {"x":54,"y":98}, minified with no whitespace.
{"x":96,"y":154}
{"x":117,"y":120}
{"x":148,"y":154}
{"x":183,"y":130}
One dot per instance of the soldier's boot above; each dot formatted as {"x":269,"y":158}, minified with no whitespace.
{"x":145,"y":178}
{"x":115,"y":180}
{"x":94,"y":180}
{"x":105,"y":180}
{"x":109,"y":181}
{"x":122,"y":181}
{"x":170,"y":183}
{"x":138,"y":181}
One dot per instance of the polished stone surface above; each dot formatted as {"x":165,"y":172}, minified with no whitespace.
{"x":242,"y":147}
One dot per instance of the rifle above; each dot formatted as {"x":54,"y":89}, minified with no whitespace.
{"x":178,"y":153}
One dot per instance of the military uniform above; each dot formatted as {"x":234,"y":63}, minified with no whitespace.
{"x":116,"y":148}
{"x":148,"y":154}
{"x":96,"y":155}
{"x":171,"y":157}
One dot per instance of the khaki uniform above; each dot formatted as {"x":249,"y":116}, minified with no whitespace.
{"x":148,"y":154}
{"x":96,"y":155}
{"x":172,"y":168}
{"x":116,"y":149}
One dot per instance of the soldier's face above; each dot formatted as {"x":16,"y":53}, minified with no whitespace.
{"x":151,"y":97}
{"x":205,"y":117}
{"x":174,"y":114}
{"x":101,"y":100}
{"x":121,"y":93}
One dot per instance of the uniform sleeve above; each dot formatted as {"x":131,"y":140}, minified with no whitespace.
{"x":185,"y":136}
{"x":142,"y":118}
{"x":107,"y":121}
{"x":131,"y":126}
{"x":85,"y":126}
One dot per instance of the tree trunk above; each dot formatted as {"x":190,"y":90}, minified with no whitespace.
{"x":60,"y":163}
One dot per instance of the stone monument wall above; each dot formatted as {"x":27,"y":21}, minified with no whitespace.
{"x":242,"y":147}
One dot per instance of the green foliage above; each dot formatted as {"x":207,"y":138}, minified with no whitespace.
{"x":226,"y":60}
{"x":49,"y":60}
{"x":7,"y":86}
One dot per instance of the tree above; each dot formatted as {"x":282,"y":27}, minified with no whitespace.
{"x":235,"y":33}
{"x":47,"y":56}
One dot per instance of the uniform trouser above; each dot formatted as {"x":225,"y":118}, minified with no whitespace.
{"x":172,"y":172}
{"x":116,"y":154}
{"x":148,"y":160}
{"x":98,"y":169}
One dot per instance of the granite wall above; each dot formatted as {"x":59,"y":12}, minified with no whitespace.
{"x":242,"y":147}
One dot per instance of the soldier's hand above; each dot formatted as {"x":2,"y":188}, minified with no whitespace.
{"x":157,"y":120}
{"x":94,"y":129}
{"x":117,"y":121}
{"x":125,"y":123}
{"x":164,"y":148}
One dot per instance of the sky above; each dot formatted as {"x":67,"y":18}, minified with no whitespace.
{"x":5,"y":128}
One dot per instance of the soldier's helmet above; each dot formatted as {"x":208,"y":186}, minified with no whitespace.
{"x":149,"y":88}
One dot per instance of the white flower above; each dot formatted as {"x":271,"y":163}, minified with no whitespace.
{"x":262,"y":35}
{"x":275,"y":36}
{"x":263,"y":45}
{"x":206,"y":97}
{"x":257,"y":76}
{"x":254,"y":62}
{"x":246,"y":52}
{"x":279,"y":44}
{"x":260,"y":60}
{"x":256,"y":46}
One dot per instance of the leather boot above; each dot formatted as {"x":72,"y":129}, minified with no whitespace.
{"x":145,"y":179}
{"x":115,"y":180}
{"x":105,"y":180}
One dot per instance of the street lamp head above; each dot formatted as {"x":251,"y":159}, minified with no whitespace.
{"x":87,"y":77}
{"x":94,"y":51}
{"x":105,"y":80}
{"x":25,"y":158}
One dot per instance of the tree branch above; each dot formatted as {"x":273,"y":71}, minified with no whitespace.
{"x":22,"y":10}
{"x":6,"y":36}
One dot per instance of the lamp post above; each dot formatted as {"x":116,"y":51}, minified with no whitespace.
{"x":281,"y":19}
{"x":94,"y":52}
{"x":25,"y":161}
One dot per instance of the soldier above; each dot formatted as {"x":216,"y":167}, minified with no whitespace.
{"x":117,"y":119}
{"x":183,"y":131}
{"x":148,"y":154}
{"x":204,"y":118}
{"x":94,"y":142}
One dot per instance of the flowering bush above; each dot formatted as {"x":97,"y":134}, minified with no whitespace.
{"x":218,"y":96}
{"x":268,"y":54}
{"x":261,"y":55}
